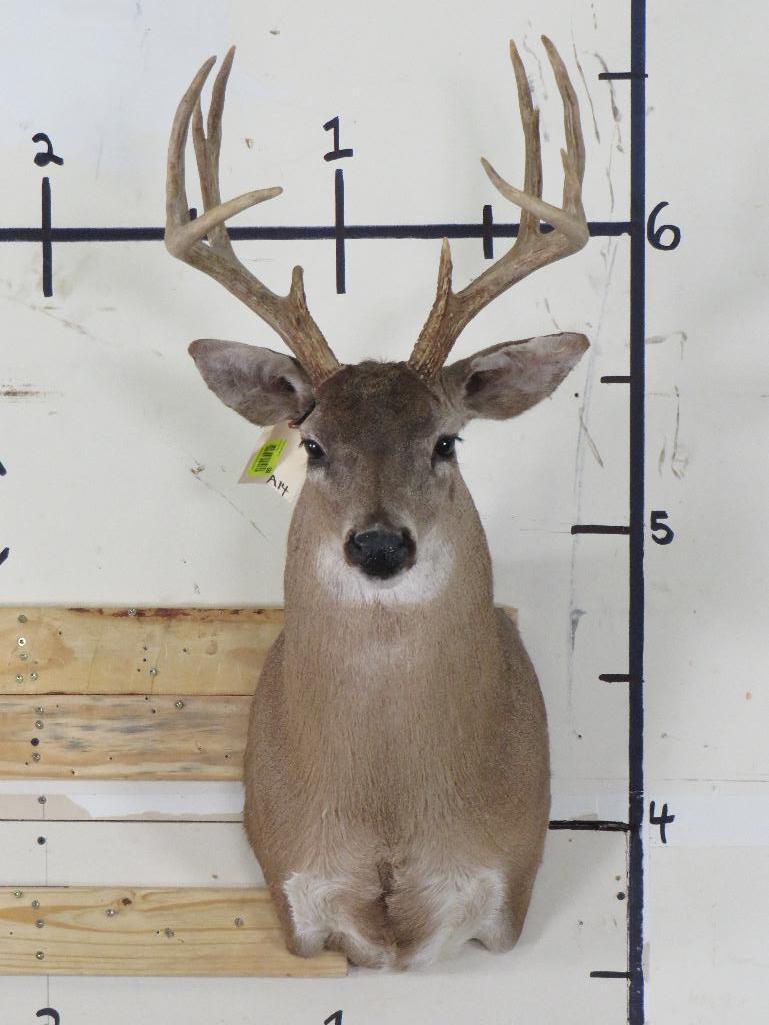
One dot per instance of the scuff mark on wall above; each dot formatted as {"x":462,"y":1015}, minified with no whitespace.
{"x":23,"y":391}
{"x":232,"y":505}
{"x":616,"y":113}
{"x":679,"y":457}
{"x":556,"y":325}
{"x":682,"y":337}
{"x":587,"y":91}
{"x":576,"y":615}
{"x":592,"y":445}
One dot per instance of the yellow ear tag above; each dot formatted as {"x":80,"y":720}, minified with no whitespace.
{"x":278,"y":461}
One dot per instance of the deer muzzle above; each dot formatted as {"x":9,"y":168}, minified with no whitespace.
{"x":380,"y":551}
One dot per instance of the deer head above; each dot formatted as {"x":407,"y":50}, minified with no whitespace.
{"x":379,"y":436}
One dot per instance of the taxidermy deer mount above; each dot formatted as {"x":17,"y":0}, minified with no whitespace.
{"x":397,"y":766}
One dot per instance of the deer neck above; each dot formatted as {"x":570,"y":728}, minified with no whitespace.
{"x":430,"y":629}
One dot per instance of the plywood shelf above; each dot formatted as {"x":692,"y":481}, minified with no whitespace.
{"x":125,"y":931}
{"x":51,"y":650}
{"x":148,"y":737}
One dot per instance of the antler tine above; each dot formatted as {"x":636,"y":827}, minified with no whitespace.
{"x":204,"y":242}
{"x":532,"y":180}
{"x":452,"y":311}
{"x":574,"y":157}
{"x":207,"y":151}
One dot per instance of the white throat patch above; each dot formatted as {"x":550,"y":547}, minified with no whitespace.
{"x":423,"y":582}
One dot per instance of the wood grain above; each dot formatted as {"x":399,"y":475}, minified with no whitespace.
{"x":114,"y":651}
{"x":134,"y":737}
{"x":127,"y":931}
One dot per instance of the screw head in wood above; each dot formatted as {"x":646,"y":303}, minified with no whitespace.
{"x":39,"y":709}
{"x":35,"y":903}
{"x":39,"y":724}
{"x":239,"y":922}
{"x":178,"y":704}
{"x":35,"y":756}
{"x":39,"y":923}
{"x":169,"y":933}
{"x":24,"y":655}
{"x":40,"y":955}
{"x":18,"y":893}
{"x":132,"y":612}
{"x":33,"y":676}
{"x":110,"y":912}
{"x":19,"y":678}
{"x":22,"y":618}
{"x":42,"y":799}
{"x":153,"y":671}
{"x":21,"y":641}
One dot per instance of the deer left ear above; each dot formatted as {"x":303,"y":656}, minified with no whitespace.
{"x":508,"y":378}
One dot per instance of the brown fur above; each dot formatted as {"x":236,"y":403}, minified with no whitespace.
{"x":388,"y":742}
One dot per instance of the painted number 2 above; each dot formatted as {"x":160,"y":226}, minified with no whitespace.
{"x":662,"y":533}
{"x":53,"y":1015}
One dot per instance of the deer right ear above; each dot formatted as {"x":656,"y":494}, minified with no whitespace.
{"x":262,"y":385}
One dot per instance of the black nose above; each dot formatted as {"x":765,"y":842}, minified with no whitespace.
{"x":380,"y":552}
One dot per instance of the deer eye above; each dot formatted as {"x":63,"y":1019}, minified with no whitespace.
{"x":444,"y":446}
{"x":315,"y":453}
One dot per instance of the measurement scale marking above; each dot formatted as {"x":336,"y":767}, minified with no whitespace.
{"x":638,"y":241}
{"x":619,"y":75}
{"x":599,"y":528}
{"x":598,"y":825}
{"x":46,"y":238}
{"x":305,"y":232}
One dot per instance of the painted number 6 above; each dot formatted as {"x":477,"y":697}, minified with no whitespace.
{"x":654,"y":233}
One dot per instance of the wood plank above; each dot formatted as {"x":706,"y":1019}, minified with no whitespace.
{"x":172,"y":651}
{"x":115,"y":650}
{"x":97,"y":726}
{"x":133,"y":737}
{"x":128,"y":931}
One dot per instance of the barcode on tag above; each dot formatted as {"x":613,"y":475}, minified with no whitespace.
{"x":266,"y":458}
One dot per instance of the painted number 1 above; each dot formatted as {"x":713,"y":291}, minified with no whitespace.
{"x":336,"y":153}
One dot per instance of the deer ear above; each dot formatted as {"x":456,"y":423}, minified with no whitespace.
{"x":262,"y":385}
{"x":507,"y":379}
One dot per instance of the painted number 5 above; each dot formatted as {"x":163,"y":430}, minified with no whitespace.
{"x":662,"y":533}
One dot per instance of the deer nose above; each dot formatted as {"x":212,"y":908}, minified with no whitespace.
{"x":380,"y":552}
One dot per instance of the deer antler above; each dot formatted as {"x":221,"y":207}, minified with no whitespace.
{"x":452,"y":311}
{"x":185,"y":237}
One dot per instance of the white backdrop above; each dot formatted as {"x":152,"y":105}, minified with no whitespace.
{"x":122,"y":469}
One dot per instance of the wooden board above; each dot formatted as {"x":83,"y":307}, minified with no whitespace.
{"x":50,"y":650}
{"x":139,"y":693}
{"x":133,"y":737}
{"x":126,"y":931}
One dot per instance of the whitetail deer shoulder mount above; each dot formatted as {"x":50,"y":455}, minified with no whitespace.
{"x":397,"y":768}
